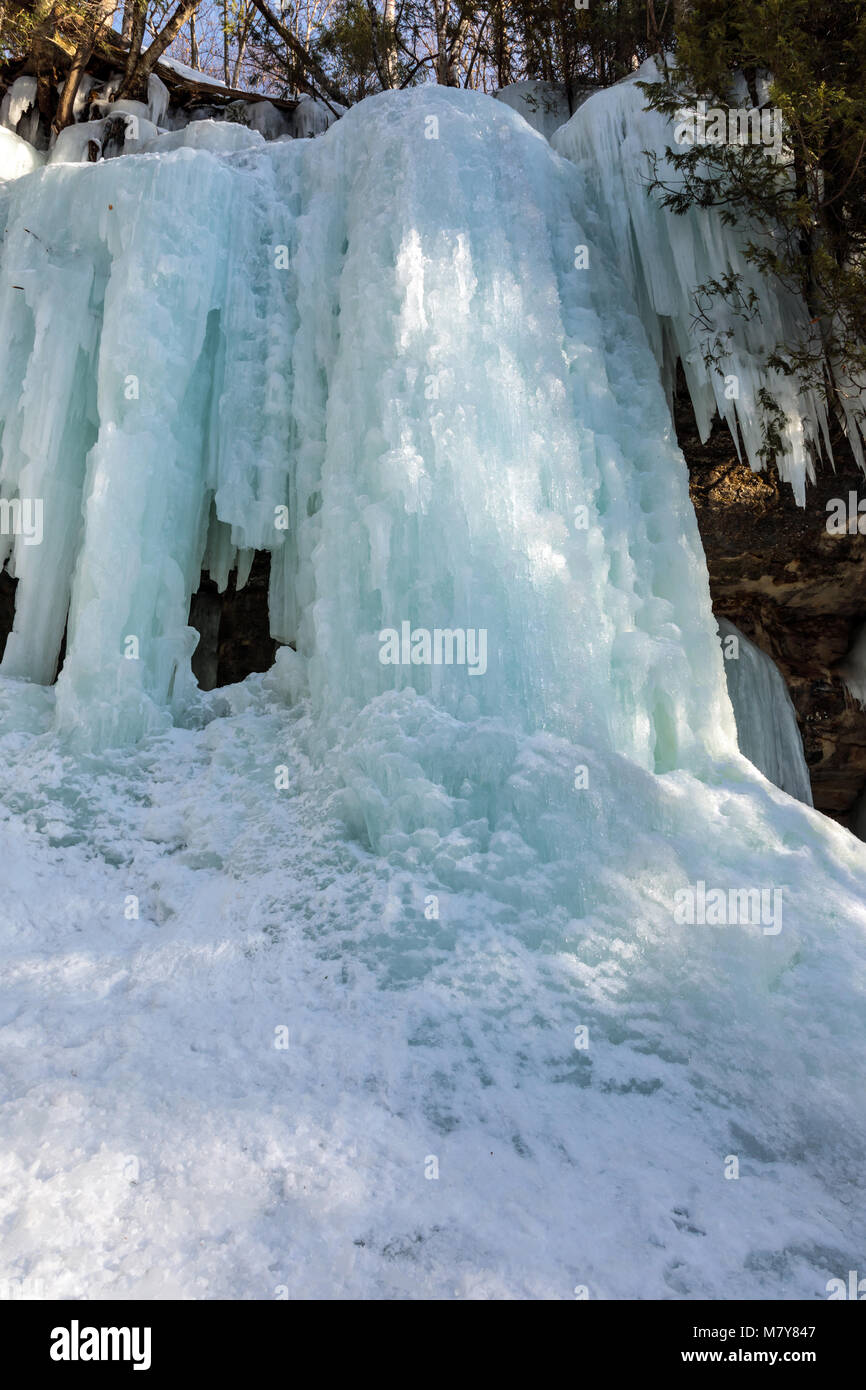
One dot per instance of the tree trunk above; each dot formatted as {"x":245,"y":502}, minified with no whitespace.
{"x":305,"y":59}
{"x":455,"y":52}
{"x":193,"y":43}
{"x":135,"y":81}
{"x":136,"y":38}
{"x":389,"y":42}
{"x":65,"y":114}
{"x":243,"y":36}
{"x":503,"y":57}
{"x":42,"y":59}
{"x":440,"y":13}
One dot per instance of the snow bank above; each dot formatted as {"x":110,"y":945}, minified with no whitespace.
{"x":379,"y":980}
{"x":192,"y":74}
{"x":665,"y":258}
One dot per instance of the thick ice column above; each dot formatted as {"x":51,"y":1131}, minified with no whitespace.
{"x":50,"y":307}
{"x":163,"y":223}
{"x":767,"y":727}
{"x":496,"y":448}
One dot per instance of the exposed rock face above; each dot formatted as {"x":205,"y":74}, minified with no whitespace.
{"x":234,"y":628}
{"x":798,"y":592}
{"x":7,"y":607}
{"x":235,"y":637}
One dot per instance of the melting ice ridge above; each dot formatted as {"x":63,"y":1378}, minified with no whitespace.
{"x":431,"y":883}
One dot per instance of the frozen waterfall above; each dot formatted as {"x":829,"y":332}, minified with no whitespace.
{"x":413,"y":360}
{"x":416,"y":397}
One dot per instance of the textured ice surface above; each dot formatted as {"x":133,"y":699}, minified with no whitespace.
{"x":313,"y":117}
{"x":767,"y":729}
{"x":664,"y":258}
{"x":72,"y":144}
{"x":429,"y":879}
{"x":296,"y":336}
{"x":20,"y":102}
{"x":17,"y":156}
{"x":219,"y":137}
{"x":269,"y":120}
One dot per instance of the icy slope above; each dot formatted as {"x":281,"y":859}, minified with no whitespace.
{"x":433,"y":879}
{"x":158,"y":1142}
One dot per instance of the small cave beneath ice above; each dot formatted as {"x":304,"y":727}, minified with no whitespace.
{"x":233,"y":626}
{"x":8,"y":586}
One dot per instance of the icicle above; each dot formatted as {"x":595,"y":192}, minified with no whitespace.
{"x":665,"y":257}
{"x":415,"y":399}
{"x":767,"y":728}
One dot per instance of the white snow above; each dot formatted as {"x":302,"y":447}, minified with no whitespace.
{"x":192,"y":74}
{"x":124,"y":106}
{"x":71,"y":145}
{"x":767,"y":729}
{"x":429,"y":880}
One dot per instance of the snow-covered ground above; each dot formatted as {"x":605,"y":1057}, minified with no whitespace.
{"x":160,"y":1141}
{"x":359,"y":980}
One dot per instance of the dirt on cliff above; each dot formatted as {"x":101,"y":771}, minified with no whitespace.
{"x":795,"y":589}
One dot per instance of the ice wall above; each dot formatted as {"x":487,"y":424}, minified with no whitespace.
{"x":767,"y":728}
{"x":365,"y":354}
{"x":384,"y":338}
{"x":665,"y":257}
